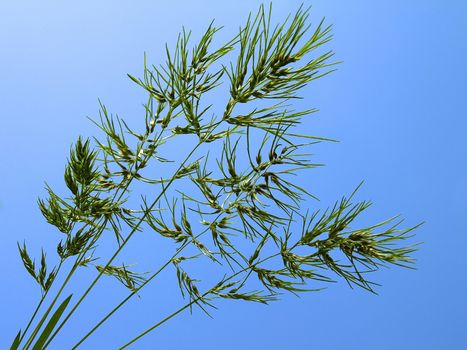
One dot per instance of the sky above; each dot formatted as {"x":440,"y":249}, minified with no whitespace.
{"x":397,"y":104}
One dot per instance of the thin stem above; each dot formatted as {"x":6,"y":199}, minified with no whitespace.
{"x":231,"y":104}
{"x":128,"y":297}
{"x":49,"y":309}
{"x":81,"y":255}
{"x":158,"y":324}
{"x":31,"y":337}
{"x":178,"y":251}
{"x":146,"y":282}
{"x":150,"y":329}
{"x":31,"y":320}
{"x":33,"y":317}
{"x":135,"y":228}
{"x":44,"y":317}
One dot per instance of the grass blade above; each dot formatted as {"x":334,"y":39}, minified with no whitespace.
{"x":51,"y":324}
{"x":16,"y":342}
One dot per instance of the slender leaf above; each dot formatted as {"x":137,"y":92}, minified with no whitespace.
{"x":51,"y":324}
{"x":16,"y":342}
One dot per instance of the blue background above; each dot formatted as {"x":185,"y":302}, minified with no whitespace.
{"x":397,"y":104}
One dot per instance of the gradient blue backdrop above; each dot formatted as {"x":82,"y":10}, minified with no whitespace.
{"x":398,"y":105}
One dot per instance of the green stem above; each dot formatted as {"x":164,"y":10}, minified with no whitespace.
{"x":76,"y":263}
{"x":32,"y":317}
{"x":31,"y":320}
{"x":123,"y":302}
{"x":135,"y":228}
{"x":186,"y":306}
{"x":44,"y":317}
{"x":139,"y":288}
{"x":178,"y":251}
{"x":158,"y":324}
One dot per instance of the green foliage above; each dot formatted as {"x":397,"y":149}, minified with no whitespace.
{"x":49,"y":327}
{"x":231,"y":202}
{"x":128,"y":278}
{"x":42,"y":278}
